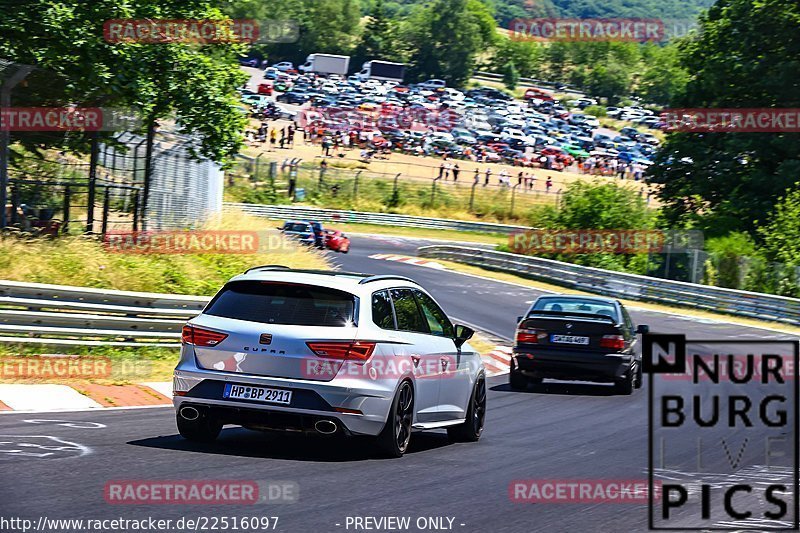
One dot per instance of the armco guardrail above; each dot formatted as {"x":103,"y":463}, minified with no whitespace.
{"x":284,"y":212}
{"x":622,"y":285}
{"x":60,"y":315}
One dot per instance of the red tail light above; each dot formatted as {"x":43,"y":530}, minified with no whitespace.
{"x":201,"y":337}
{"x":616,"y":342}
{"x":530,"y":336}
{"x":354,"y":351}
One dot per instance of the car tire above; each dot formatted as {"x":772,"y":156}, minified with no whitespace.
{"x":517,"y":381}
{"x":471,"y":429}
{"x":203,"y":429}
{"x":395,"y":437}
{"x":639,"y":376}
{"x":627,"y":384}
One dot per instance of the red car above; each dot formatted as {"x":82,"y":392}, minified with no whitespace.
{"x":265,"y":88}
{"x":337,"y":241}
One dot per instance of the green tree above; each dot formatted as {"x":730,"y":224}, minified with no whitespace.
{"x":781,"y":231}
{"x":446,"y":37}
{"x":510,"y":76}
{"x":745,"y":56}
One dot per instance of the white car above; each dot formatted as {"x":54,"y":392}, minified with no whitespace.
{"x":283,"y":66}
{"x":433,"y":85}
{"x":591,"y":121}
{"x":454,"y":94}
{"x":441,"y":136}
{"x":329,"y":353}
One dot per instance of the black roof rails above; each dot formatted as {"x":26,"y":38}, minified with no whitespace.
{"x":382,"y":277}
{"x":283,"y":268}
{"x":267,"y":267}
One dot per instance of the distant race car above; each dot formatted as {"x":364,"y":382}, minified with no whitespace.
{"x":337,"y":241}
{"x":301,"y":230}
{"x":577,"y":338}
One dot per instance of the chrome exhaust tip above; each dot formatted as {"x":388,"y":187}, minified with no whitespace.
{"x":189,"y":413}
{"x":326,"y":427}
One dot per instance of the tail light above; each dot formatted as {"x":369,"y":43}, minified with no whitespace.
{"x":201,"y":337}
{"x":530,"y":336}
{"x":353,"y":351}
{"x":616,"y":342}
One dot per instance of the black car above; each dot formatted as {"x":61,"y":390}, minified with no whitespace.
{"x":577,"y":338}
{"x":293,"y":97}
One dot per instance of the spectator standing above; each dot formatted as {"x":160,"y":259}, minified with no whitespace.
{"x":548,"y":184}
{"x":456,"y":170}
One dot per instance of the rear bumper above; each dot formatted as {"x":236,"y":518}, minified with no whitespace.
{"x":311,"y":401}
{"x":571,"y":366}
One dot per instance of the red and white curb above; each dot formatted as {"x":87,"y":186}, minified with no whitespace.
{"x":408,"y":259}
{"x":57,"y":397}
{"x":498,"y":361}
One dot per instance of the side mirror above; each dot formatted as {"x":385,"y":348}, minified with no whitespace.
{"x":463,"y":334}
{"x":641,"y":328}
{"x":279,"y":228}
{"x":519,"y":319}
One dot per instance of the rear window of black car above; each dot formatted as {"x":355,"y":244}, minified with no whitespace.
{"x":574,"y":305}
{"x":296,"y":226}
{"x":284,"y":303}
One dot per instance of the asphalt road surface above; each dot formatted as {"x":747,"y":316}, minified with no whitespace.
{"x":59,"y":466}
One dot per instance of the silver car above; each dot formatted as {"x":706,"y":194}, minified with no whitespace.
{"x":328,"y":353}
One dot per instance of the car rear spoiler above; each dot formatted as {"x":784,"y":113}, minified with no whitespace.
{"x":569,"y":314}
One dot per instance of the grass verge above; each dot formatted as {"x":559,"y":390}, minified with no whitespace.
{"x":85,"y":261}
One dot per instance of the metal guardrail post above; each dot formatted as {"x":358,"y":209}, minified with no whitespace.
{"x":106,"y":209}
{"x":513,"y":195}
{"x":355,"y":185}
{"x":472,"y":197}
{"x":136,"y":210}
{"x":67,"y":195}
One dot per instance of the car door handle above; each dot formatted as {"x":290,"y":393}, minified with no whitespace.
{"x":444,"y":361}
{"x":415,"y":359}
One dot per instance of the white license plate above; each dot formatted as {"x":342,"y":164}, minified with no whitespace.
{"x":257,"y":394}
{"x":569,"y":339}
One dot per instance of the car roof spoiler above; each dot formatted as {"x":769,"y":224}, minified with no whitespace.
{"x":571,"y":314}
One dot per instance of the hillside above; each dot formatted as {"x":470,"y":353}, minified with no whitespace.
{"x":507,"y":10}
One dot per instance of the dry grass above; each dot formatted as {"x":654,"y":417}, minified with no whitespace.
{"x":84,"y":261}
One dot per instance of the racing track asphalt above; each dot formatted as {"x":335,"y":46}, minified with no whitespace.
{"x":554,"y":431}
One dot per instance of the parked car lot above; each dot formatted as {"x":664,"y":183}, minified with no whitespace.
{"x":432,"y":119}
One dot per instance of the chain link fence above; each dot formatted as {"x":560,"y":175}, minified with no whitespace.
{"x":259,"y":180}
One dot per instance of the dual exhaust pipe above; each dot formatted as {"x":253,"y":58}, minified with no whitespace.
{"x":324,"y":427}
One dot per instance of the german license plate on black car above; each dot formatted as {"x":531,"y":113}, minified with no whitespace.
{"x":257,"y":394}
{"x":568,"y":339}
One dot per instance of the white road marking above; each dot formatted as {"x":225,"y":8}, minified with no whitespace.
{"x":66,"y":423}
{"x":161,"y":387}
{"x":44,"y":397}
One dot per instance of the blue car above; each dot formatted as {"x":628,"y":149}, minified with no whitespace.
{"x":300,"y":230}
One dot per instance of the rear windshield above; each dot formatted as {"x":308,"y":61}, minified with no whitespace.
{"x":592,"y":307}
{"x":294,"y":226}
{"x":283,"y":303}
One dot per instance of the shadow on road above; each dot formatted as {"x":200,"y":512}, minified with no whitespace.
{"x":239,"y":442}
{"x":562,"y":388}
